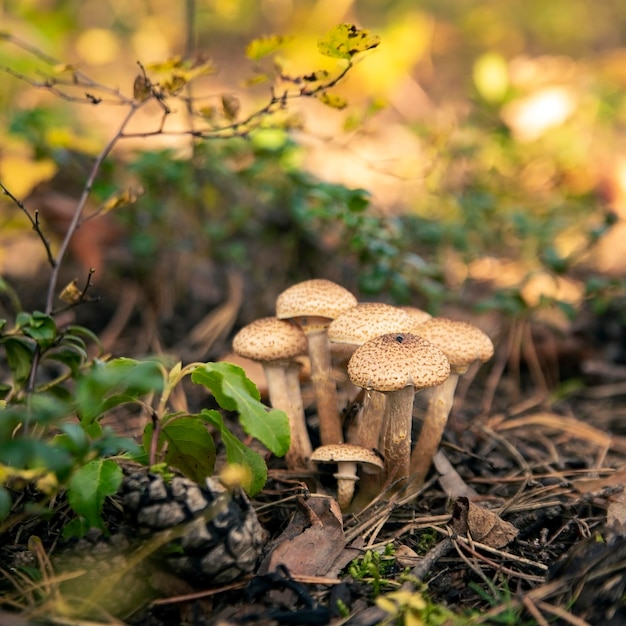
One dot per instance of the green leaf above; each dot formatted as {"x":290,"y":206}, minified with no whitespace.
{"x":19,"y":352}
{"x":237,"y":452}
{"x":116,"y":382}
{"x":73,"y":439}
{"x":346,"y":40}
{"x":261,"y":47}
{"x":190,"y":447}
{"x":90,"y":485}
{"x":235,"y":392}
{"x":38,"y":326}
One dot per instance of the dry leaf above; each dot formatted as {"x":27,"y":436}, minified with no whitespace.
{"x":589,"y":485}
{"x":406,"y":557}
{"x":311,"y":543}
{"x":142,"y":89}
{"x":483,"y":525}
{"x":616,"y":514}
{"x":450,"y":480}
{"x":71,"y":294}
{"x":230,"y":107}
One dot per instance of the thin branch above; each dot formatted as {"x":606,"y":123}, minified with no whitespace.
{"x":34,"y":223}
{"x":51,"y":84}
{"x":71,"y":229}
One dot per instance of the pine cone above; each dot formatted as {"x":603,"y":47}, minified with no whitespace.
{"x":221,"y":539}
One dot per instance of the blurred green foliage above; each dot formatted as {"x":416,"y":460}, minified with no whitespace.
{"x":487,"y":183}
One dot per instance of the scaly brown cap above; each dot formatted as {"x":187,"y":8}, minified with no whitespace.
{"x":462,"y":342}
{"x":314,"y":298}
{"x":366,"y":321}
{"x":394,"y":361}
{"x":417,"y":315}
{"x":270,"y":339}
{"x":340,"y":452}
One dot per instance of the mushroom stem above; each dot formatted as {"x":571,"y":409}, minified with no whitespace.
{"x":399,"y":420}
{"x":299,"y":425}
{"x":346,"y":478}
{"x":435,"y":420}
{"x":325,"y":390}
{"x":370,"y":419}
{"x":297,"y":456}
{"x":368,"y":435}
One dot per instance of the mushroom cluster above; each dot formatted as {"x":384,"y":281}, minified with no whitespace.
{"x":389,"y":353}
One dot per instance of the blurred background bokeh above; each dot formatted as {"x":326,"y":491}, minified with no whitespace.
{"x":479,"y":167}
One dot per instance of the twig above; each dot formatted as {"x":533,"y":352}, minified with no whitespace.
{"x":531,"y":607}
{"x":566,"y":616}
{"x":465,"y":544}
{"x":80,"y":207}
{"x":34,"y":222}
{"x":506,"y":555}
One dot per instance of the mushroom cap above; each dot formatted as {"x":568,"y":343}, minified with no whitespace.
{"x":397,"y":360}
{"x":341,"y":452}
{"x":462,"y":342}
{"x":366,"y":321}
{"x":270,"y":339}
{"x":418,"y":316}
{"x":315,"y":298}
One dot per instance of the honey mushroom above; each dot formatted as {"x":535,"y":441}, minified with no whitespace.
{"x":312,"y":305}
{"x":399,"y":365}
{"x":275,"y":344}
{"x":347,"y":456}
{"x":463,"y":344}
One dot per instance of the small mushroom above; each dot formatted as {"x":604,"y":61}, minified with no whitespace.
{"x":347,"y":456}
{"x":275,"y":344}
{"x":398,"y":364}
{"x":313,"y":304}
{"x":463,"y":344}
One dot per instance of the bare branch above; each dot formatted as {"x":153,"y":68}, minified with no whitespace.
{"x":34,"y":221}
{"x":80,"y":207}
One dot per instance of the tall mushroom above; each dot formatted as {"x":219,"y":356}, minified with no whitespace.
{"x":313,"y":304}
{"x":347,"y":456}
{"x":352,"y":329}
{"x":463,"y":344}
{"x":398,"y":364}
{"x":349,"y":331}
{"x":275,"y":343}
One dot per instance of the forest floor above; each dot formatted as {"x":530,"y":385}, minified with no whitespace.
{"x":521,"y":522}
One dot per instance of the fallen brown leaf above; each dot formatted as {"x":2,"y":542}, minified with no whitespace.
{"x":312,"y":542}
{"x":481,"y":524}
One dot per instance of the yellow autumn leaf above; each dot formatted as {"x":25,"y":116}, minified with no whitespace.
{"x":21,"y":173}
{"x":174,"y":84}
{"x":8,"y":473}
{"x":168,"y":65}
{"x":123,"y":198}
{"x":47,"y":483}
{"x":235,"y":475}
{"x":332,"y":100}
{"x":65,"y":137}
{"x":71,"y":294}
{"x":345,"y":40}
{"x":263,"y":46}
